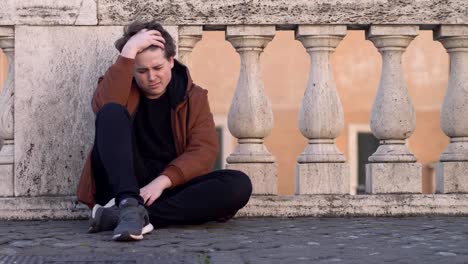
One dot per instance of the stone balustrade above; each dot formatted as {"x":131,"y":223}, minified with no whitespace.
{"x":392,"y":168}
{"x":321,"y":168}
{"x":250,"y":117}
{"x":7,"y":151}
{"x":46,"y":132}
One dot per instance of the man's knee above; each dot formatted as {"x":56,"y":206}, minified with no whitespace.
{"x":111,"y":111}
{"x":241,"y":185}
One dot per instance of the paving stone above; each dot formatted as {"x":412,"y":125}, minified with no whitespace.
{"x":4,"y":240}
{"x":227,"y":246}
{"x":8,"y":251}
{"x":24,"y":243}
{"x":302,"y":240}
{"x":225,"y":258}
{"x":66,"y":245}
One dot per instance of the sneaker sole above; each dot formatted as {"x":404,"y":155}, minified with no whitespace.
{"x":93,"y":228}
{"x":130,"y":237}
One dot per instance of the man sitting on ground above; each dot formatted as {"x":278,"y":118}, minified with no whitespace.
{"x":155,"y":144}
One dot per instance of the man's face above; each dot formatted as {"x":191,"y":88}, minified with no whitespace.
{"x":153,"y":72}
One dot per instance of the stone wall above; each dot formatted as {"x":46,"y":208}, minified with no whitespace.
{"x":56,"y":73}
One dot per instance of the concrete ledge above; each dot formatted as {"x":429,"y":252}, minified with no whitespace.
{"x":357,"y":205}
{"x":66,"y":207}
{"x":38,"y":208}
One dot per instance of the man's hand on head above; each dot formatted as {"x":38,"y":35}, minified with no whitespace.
{"x":142,"y":40}
{"x":154,"y":189}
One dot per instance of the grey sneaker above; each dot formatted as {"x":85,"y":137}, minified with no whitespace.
{"x":133,"y":221}
{"x":104,"y":218}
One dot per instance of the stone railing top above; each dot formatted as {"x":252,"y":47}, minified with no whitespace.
{"x":234,"y":12}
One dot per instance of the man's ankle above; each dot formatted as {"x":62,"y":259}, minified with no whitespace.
{"x":125,"y":196}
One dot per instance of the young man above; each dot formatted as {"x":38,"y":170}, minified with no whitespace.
{"x":155,"y":144}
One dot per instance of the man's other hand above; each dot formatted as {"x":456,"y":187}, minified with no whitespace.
{"x":142,"y":40}
{"x":153,"y":190}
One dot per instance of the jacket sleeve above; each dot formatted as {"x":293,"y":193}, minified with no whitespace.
{"x":115,"y":85}
{"x":202,"y":144}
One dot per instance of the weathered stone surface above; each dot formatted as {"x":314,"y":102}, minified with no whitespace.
{"x":190,"y":30}
{"x":188,"y":38}
{"x":322,"y":178}
{"x":455,"y":105}
{"x":66,"y":207}
{"x":263,"y":176}
{"x":250,"y":117}
{"x":357,"y":205}
{"x":452,"y":177}
{"x":321,"y":30}
{"x":393,"y":178}
{"x":54,"y":124}
{"x":7,"y":44}
{"x":321,"y":113}
{"x":7,"y":147}
{"x":393,"y":118}
{"x":56,"y":74}
{"x":60,"y":207}
{"x":279,"y":12}
{"x":6,"y":178}
{"x":445,"y":31}
{"x":212,"y":12}
{"x":250,"y":30}
{"x":392,"y":30}
{"x":48,"y":12}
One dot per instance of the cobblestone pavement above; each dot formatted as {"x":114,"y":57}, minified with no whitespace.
{"x":246,"y":240}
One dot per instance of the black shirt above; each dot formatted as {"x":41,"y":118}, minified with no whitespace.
{"x":153,"y":133}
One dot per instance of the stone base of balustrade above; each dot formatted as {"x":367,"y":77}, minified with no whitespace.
{"x":66,"y":207}
{"x":322,"y":178}
{"x":45,"y":207}
{"x":262,"y":175}
{"x":385,"y":178}
{"x":451,"y":177}
{"x":357,"y":205}
{"x":6,"y":179}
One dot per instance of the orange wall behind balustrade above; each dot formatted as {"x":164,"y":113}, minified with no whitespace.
{"x":3,"y":66}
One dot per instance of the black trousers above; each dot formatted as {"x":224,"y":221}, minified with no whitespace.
{"x":119,"y":172}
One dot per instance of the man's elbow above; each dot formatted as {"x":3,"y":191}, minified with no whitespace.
{"x":95,"y":106}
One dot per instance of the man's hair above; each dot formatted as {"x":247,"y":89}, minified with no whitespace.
{"x":136,"y":26}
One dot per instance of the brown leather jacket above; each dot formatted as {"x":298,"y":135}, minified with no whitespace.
{"x":195,"y":137}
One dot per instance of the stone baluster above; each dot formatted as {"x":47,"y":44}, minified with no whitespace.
{"x":392,"y":168}
{"x":250,"y":117}
{"x":7,"y":153}
{"x":451,"y":171}
{"x":321,"y":168}
{"x":188,"y":38}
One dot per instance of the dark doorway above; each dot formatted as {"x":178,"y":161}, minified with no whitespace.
{"x":367,"y":145}
{"x":218,"y":165}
